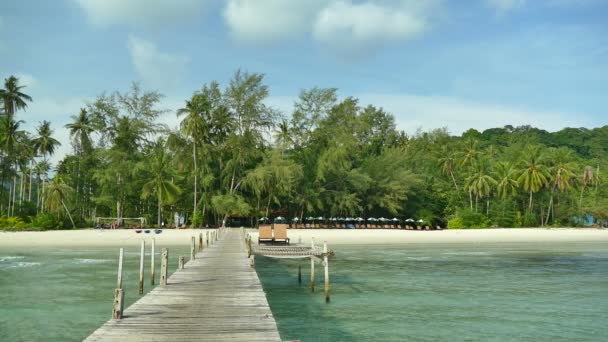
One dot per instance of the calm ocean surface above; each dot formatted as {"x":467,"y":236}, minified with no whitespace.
{"x":465,"y":292}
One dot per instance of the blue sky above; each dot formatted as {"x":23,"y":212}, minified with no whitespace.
{"x":435,"y":63}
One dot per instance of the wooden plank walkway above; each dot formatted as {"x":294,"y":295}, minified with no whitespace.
{"x":217,"y":297}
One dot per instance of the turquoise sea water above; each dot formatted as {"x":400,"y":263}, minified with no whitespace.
{"x":465,"y":292}
{"x":64,"y":294}
{"x":524,"y":292}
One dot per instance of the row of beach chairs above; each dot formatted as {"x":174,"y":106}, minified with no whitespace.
{"x":355,"y":226}
{"x":273,"y":235}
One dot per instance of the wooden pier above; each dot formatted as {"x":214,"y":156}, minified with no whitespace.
{"x":216,"y":297}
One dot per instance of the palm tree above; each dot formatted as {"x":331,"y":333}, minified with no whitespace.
{"x":534,"y":173}
{"x":467,"y":157}
{"x":55,"y":196}
{"x":589,"y":178}
{"x":481,"y":182}
{"x":282,"y":135}
{"x":12,"y":97}
{"x":158,"y":164}
{"x":11,"y":138}
{"x":561,"y":174}
{"x":44,"y":143}
{"x":41,"y":170}
{"x":80,"y":131}
{"x":195,"y":127}
{"x":506,"y":179}
{"x":447,"y":163}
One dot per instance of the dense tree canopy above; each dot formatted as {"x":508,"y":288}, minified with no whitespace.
{"x":232,"y":155}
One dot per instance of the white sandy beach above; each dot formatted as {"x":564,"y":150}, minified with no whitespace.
{"x":171,"y":237}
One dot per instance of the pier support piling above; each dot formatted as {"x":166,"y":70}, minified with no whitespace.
{"x":152,"y":262}
{"x":192,"y":249}
{"x":119,"y":300}
{"x":252,"y":261}
{"x":200,"y":242}
{"x":141,"y":266}
{"x":299,"y":274}
{"x":163,"y":267}
{"x":326,"y":264}
{"x":180,"y":263}
{"x":119,"y":280}
{"x":312,"y":267}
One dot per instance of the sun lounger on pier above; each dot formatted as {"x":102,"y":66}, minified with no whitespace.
{"x":280,"y":233}
{"x":265,"y":234}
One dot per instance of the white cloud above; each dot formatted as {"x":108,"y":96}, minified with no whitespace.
{"x":345,"y":24}
{"x":156,"y":68}
{"x":268,"y":20}
{"x":27,"y":80}
{"x":140,"y":12}
{"x":502,"y":6}
{"x":340,"y":24}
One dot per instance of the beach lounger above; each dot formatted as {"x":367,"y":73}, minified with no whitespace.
{"x":265,"y":234}
{"x":280,"y":233}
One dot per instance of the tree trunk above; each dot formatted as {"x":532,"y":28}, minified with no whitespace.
{"x":69,"y":215}
{"x":195,"y":180}
{"x":488,"y":207}
{"x":29,"y":195}
{"x":454,"y":180}
{"x":158,"y":212}
{"x":470,"y":200}
{"x":580,"y":203}
{"x":530,"y":205}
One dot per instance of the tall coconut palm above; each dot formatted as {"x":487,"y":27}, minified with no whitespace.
{"x":195,"y":127}
{"x":44,"y":143}
{"x":481,"y":181}
{"x":534,"y":173}
{"x":80,"y":131}
{"x":13,"y":97}
{"x":159,"y":168}
{"x":447,"y":163}
{"x":561,"y":172}
{"x":467,"y":156}
{"x":55,"y":195}
{"x":282,"y":135}
{"x":588,"y":178}
{"x":41,"y":170}
{"x":506,"y":179}
{"x":11,"y":138}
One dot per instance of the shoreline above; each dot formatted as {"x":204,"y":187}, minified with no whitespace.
{"x":181,"y":237}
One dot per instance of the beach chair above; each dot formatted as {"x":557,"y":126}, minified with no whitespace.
{"x":280,"y":233}
{"x":265,"y":234}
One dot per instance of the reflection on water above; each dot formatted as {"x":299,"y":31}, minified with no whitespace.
{"x":534,"y":292}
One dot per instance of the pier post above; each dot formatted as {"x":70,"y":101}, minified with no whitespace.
{"x":119,"y":280}
{"x":312,"y":267}
{"x":299,"y":274}
{"x":207,"y":235}
{"x":200,"y":242}
{"x":163,"y":267}
{"x":141,"y":266}
{"x":119,"y":300}
{"x":326,"y":264}
{"x":152,"y":262}
{"x":192,"y":249}
{"x":180,"y":264}
{"x":249,"y":247}
{"x":252,"y":261}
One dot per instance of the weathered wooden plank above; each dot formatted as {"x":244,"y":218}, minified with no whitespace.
{"x":216,"y":297}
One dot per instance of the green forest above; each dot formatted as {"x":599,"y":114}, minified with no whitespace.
{"x":235,"y":157}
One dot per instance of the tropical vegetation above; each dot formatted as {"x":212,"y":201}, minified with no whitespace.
{"x":229,"y":157}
